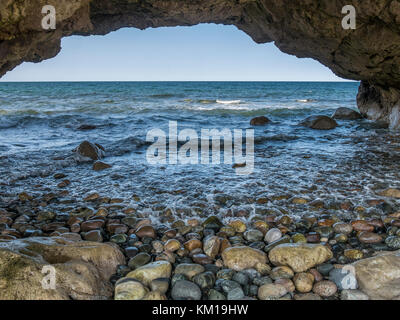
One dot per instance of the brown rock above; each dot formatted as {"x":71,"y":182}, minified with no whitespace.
{"x":99,"y":166}
{"x":319,"y":123}
{"x":146,"y":231}
{"x":325,"y":288}
{"x":259,"y":121}
{"x":240,"y":258}
{"x":83,"y":269}
{"x":299,"y":256}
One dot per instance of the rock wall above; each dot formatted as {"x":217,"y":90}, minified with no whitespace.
{"x":305,"y":28}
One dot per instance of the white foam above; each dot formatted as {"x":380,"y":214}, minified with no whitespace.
{"x":229,"y":101}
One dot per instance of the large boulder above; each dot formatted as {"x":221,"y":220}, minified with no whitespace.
{"x":82,"y":269}
{"x":379,"y":276}
{"x":240,"y":258}
{"x":299,"y":256}
{"x":319,"y":123}
{"x":346,"y":114}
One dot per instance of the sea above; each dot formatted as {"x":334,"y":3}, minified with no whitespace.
{"x":41,"y":124}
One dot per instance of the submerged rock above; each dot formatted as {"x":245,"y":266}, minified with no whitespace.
{"x":88,"y":151}
{"x":346,"y":114}
{"x":319,"y":123}
{"x":82,"y":269}
{"x":259,"y":121}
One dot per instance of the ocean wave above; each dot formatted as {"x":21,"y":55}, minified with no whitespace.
{"x":306,"y":100}
{"x":229,"y":101}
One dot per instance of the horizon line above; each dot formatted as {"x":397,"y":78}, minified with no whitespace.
{"x":60,"y":81}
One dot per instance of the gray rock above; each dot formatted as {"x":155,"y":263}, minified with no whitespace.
{"x":185,"y":290}
{"x":204,"y":280}
{"x":241,"y":278}
{"x":346,"y":114}
{"x":215,"y":295}
{"x":235,"y":294}
{"x":344,"y":279}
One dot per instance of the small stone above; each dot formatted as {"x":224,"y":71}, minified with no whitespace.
{"x":281,"y":272}
{"x":235,"y":294}
{"x":146,"y":231}
{"x":172,"y":245}
{"x":215,"y":295}
{"x":131,"y":251}
{"x":362,"y":225}
{"x":161,"y":285}
{"x":303,"y":282}
{"x":341,"y":227}
{"x":99,"y":166}
{"x":299,"y":238}
{"x":299,"y":256}
{"x":193,"y":244}
{"x":272,"y":235}
{"x":241,"y":278}
{"x":307,"y":296}
{"x":151,"y":271}
{"x":119,"y":238}
{"x":205,"y":280}
{"x":369,"y":237}
{"x":189,"y":269}
{"x":391,"y":193}
{"x":325,"y":288}
{"x":271,"y":291}
{"x":139,"y":260}
{"x":211,"y":246}
{"x":239,"y":258}
{"x":353,"y":295}
{"x":238,"y":226}
{"x":343,"y":278}
{"x":185,"y":290}
{"x":253,"y":235}
{"x":94,"y":235}
{"x":353,"y":254}
{"x":155,"y":296}
{"x":287,"y":283}
{"x":128,"y":289}
{"x":393,"y":242}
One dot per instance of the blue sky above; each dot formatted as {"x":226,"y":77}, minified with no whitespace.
{"x":199,"y":53}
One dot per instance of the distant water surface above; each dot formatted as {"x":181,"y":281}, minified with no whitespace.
{"x":39,"y":128}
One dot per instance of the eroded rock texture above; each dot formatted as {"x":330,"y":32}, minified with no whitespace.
{"x":305,"y":28}
{"x":82,"y":269}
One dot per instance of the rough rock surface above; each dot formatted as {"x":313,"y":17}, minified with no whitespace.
{"x":240,"y":258}
{"x":346,"y":114}
{"x":83,"y":269}
{"x":311,"y":28}
{"x":319,"y":123}
{"x":299,"y":256}
{"x":379,"y":277}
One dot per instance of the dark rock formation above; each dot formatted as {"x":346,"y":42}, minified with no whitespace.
{"x":346,"y":114}
{"x":307,"y":28}
{"x":319,"y":123}
{"x":259,"y":121}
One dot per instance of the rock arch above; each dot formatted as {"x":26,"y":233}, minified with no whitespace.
{"x":305,"y":28}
